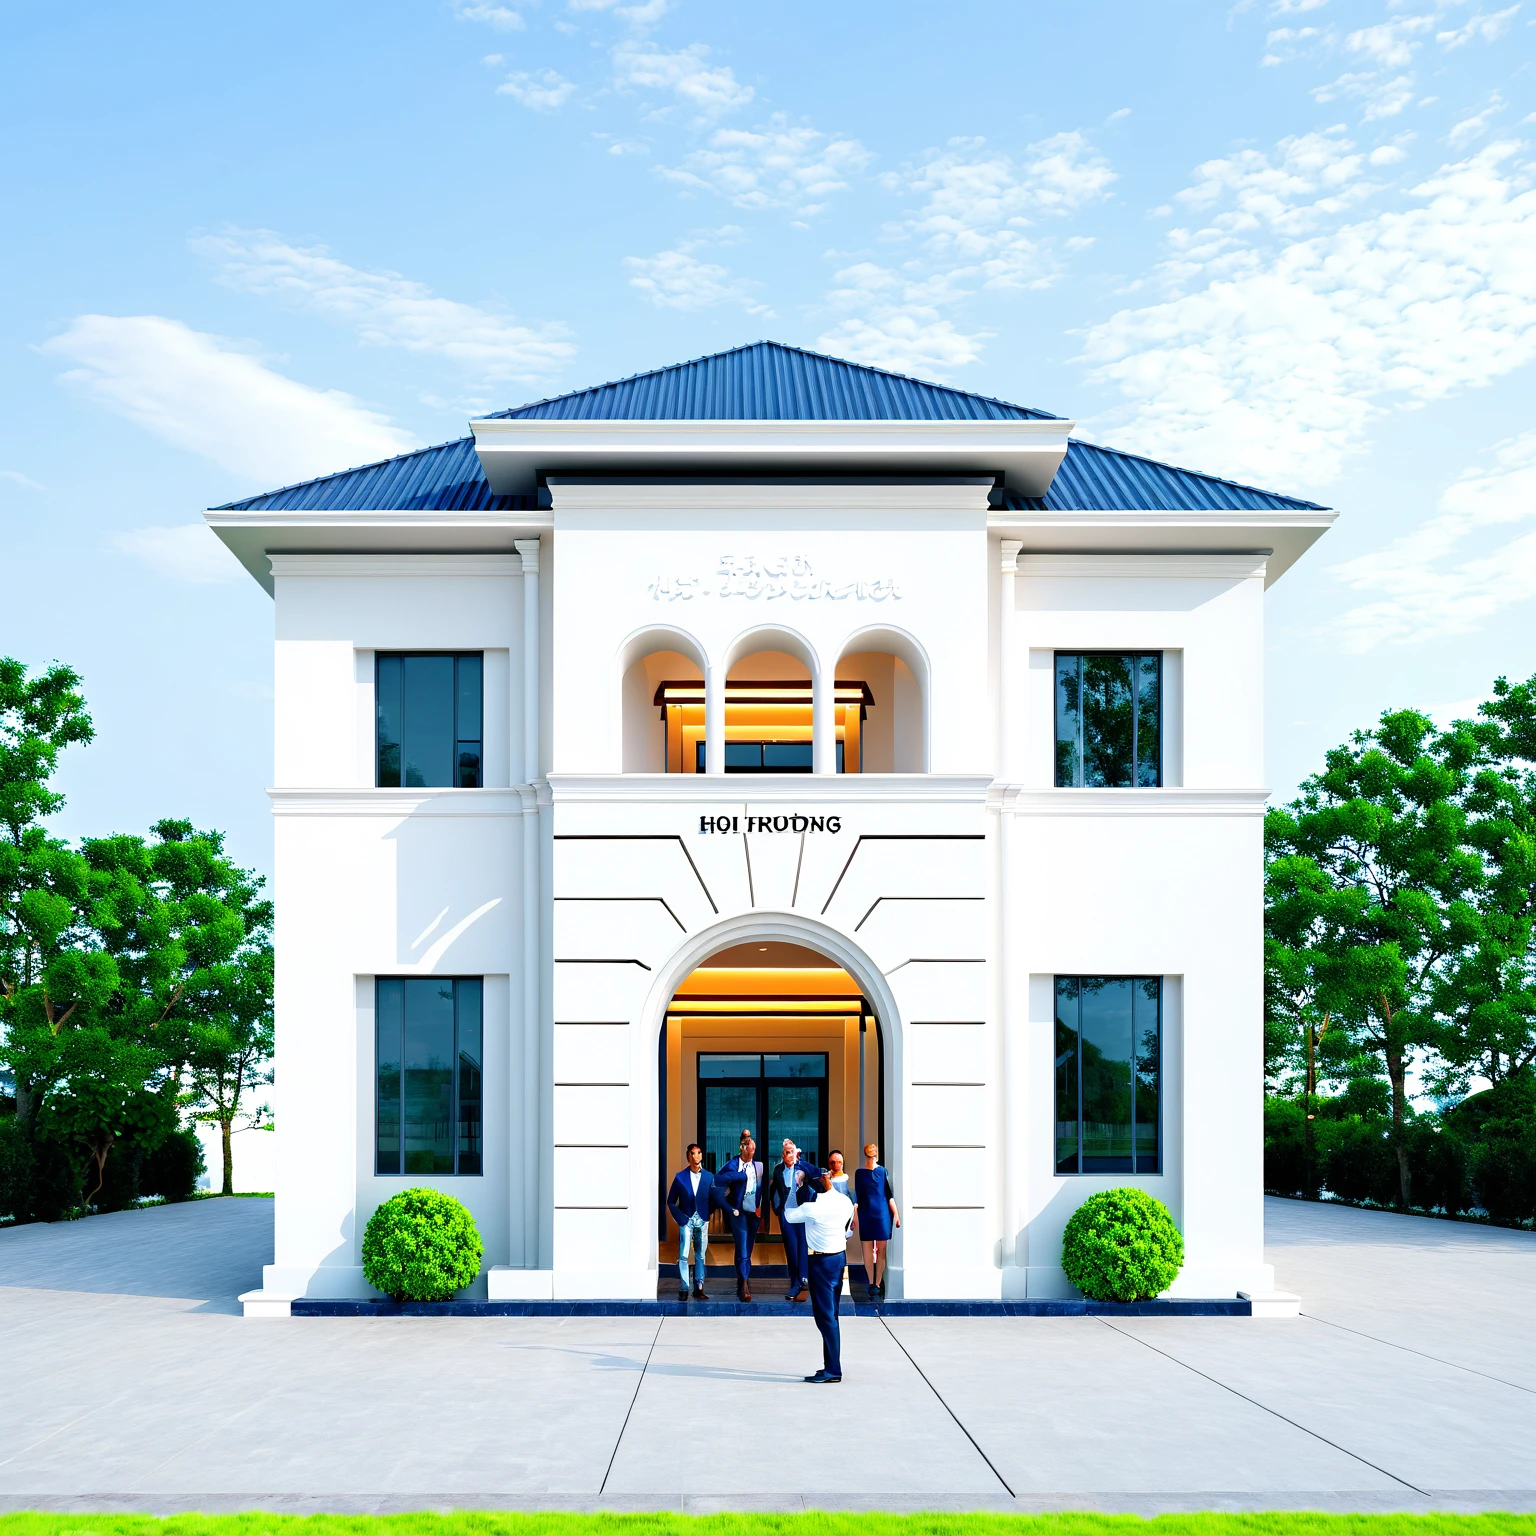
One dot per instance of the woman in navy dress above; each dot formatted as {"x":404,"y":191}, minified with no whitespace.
{"x":875,"y":1198}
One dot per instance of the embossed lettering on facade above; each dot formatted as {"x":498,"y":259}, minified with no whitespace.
{"x":788,"y":576}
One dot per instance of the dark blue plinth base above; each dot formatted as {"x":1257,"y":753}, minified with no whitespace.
{"x":730,"y":1307}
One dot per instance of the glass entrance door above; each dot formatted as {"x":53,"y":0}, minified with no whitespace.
{"x":773,"y":1096}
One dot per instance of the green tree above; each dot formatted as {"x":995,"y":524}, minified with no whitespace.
{"x":42,"y":881}
{"x":1486,"y":998}
{"x":1371,"y":884}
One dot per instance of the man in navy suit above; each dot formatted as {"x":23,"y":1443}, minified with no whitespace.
{"x":690,"y":1201}
{"x":792,"y":1183}
{"x":742,"y":1177}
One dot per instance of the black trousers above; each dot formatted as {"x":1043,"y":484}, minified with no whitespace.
{"x":826,"y":1292}
{"x":744,"y":1232}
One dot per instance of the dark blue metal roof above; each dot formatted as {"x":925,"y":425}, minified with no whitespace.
{"x":768,"y":382}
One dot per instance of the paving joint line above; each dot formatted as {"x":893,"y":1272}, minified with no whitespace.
{"x":608,"y":1472}
{"x":1410,"y":1350}
{"x":947,"y":1409}
{"x":1275,"y":1412}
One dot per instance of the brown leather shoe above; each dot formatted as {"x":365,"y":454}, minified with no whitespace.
{"x":746,"y":1293}
{"x":699,"y":1293}
{"x":801,"y":1295}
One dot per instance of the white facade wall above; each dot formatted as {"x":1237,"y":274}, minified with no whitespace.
{"x":584,"y":894}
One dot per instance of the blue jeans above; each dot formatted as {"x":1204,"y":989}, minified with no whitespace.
{"x":694,"y":1235}
{"x":826,"y":1291}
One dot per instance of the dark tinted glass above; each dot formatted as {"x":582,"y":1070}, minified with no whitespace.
{"x":1066,"y":1074}
{"x":468,"y":775}
{"x":728,"y":1111}
{"x":469,"y":698}
{"x":1147,"y":1015}
{"x":1106,"y":1070}
{"x":742,"y":756}
{"x":787,"y":756}
{"x":429,"y":738}
{"x":1149,"y":757}
{"x":733,"y":1065}
{"x":429,"y":1074}
{"x":391,"y":1024}
{"x":1108,"y":720}
{"x":807,"y":1065}
{"x":795,"y":1112}
{"x":390,"y":673}
{"x":467,"y":1002}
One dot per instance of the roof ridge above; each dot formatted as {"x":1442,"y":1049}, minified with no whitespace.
{"x":1199,"y":474}
{"x":785,"y":346}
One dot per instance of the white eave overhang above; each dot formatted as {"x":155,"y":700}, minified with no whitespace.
{"x":518,"y":454}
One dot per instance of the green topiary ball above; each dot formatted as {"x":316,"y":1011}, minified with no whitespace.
{"x":421,"y":1245}
{"x":1121,"y":1245}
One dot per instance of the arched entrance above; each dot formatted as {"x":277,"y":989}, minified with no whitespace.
{"x":773,"y":1024}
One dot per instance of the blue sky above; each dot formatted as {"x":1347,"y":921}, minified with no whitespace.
{"x":1289,"y":241}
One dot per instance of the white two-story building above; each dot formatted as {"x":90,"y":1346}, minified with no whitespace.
{"x":768,"y":742}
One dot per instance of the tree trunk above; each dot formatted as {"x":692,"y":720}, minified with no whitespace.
{"x":23,"y":1103}
{"x":229,"y":1159}
{"x":1397,"y":1073}
{"x":99,"y":1157}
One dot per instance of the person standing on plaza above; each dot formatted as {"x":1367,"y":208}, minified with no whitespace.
{"x":836,"y":1174}
{"x":785,"y":1191}
{"x":690,"y":1201}
{"x":743,"y":1179}
{"x":875,"y":1197}
{"x":825,"y":1224}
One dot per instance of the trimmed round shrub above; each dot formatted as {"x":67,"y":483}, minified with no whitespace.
{"x":421,"y":1245}
{"x":1121,"y":1245}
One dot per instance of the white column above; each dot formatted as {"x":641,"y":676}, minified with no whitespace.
{"x":824,"y":722}
{"x":714,"y":718}
{"x":529,"y":550}
{"x":1014,"y":1140}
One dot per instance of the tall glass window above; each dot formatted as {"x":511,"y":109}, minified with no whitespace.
{"x":1108,"y":720}
{"x":1108,"y":1074}
{"x":431,"y":1039}
{"x":429,"y":721}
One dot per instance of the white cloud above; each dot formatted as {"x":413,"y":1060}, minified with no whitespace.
{"x":1382,"y":97}
{"x":189,"y":552}
{"x":1479,"y":28}
{"x":1118,"y":115}
{"x":541,"y":90}
{"x":1290,"y":7}
{"x":641,"y":15}
{"x":502,"y":17}
{"x":1275,"y":364}
{"x":16,"y":477}
{"x":196,"y":392}
{"x":1287,"y":43}
{"x":1474,"y":127}
{"x":1390,"y":44}
{"x":677,"y":279}
{"x":905,"y":342}
{"x":708,"y":90}
{"x":976,"y":229}
{"x":1431,"y":583}
{"x":776,"y":165}
{"x":386,"y":309}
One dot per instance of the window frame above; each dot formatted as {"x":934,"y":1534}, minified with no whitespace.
{"x":457,"y":741}
{"x":455,"y":1113}
{"x":1134,"y":656}
{"x":1079,"y":1172}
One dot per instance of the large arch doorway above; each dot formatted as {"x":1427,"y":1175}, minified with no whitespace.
{"x":772,"y":1037}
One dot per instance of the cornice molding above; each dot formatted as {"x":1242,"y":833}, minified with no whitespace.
{"x":396,"y":565}
{"x":396,"y":804}
{"x":1015,"y":799}
{"x":383,"y":517}
{"x":1233,"y":567}
{"x":959,"y":494}
{"x":820,"y":790}
{"x":1024,"y":523}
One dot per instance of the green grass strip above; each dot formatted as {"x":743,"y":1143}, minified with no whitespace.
{"x":1276,"y":1523}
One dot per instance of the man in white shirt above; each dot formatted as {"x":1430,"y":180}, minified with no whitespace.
{"x":825,"y":1221}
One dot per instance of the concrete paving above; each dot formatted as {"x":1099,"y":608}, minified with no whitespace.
{"x":1408,"y":1383}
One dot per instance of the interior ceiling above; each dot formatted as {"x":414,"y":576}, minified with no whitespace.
{"x":768,"y":955}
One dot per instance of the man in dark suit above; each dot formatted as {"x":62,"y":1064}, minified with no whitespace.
{"x":744,"y":1197}
{"x":690,"y":1201}
{"x":793,"y":1182}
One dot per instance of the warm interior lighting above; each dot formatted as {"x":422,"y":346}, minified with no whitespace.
{"x":769,"y":725}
